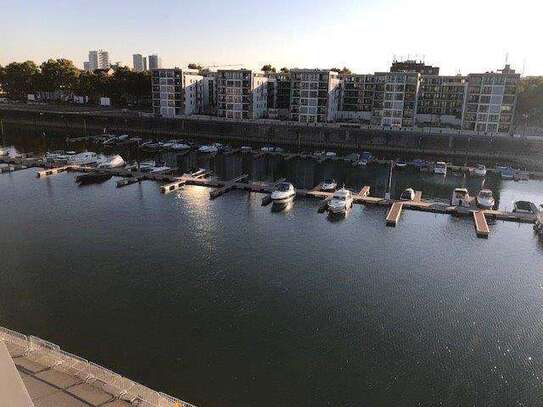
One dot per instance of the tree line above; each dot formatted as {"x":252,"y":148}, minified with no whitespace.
{"x":61,"y":78}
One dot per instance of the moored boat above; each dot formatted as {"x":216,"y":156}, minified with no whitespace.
{"x":440,"y":168}
{"x":479,"y":170}
{"x":329,"y":184}
{"x":485,"y":199}
{"x":115,"y":161}
{"x":401,"y":163}
{"x":341,"y":201}
{"x":407,"y":195}
{"x":525,"y":207}
{"x":283,"y":192}
{"x":460,"y":197}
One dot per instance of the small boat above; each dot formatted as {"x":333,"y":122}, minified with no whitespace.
{"x":123,"y":137}
{"x":4,"y":151}
{"x":115,"y":161}
{"x":521,"y":175}
{"x":283,"y":192}
{"x":401,"y":163}
{"x":440,"y":168}
{"x":525,"y":207}
{"x":341,"y":201}
{"x":485,"y":199}
{"x":271,"y":149}
{"x":407,"y":195}
{"x":479,"y":170}
{"x":330,"y":155}
{"x":86,"y":158}
{"x":506,"y":173}
{"x":179,"y":146}
{"x":418,"y":163}
{"x":460,"y":197}
{"x":246,"y":149}
{"x":329,"y":184}
{"x":92,"y":178}
{"x":211,"y":149}
{"x":57,"y":155}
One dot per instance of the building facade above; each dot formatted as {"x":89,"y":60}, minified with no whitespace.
{"x":139,"y":63}
{"x":176,"y":92}
{"x":441,"y":100}
{"x":98,"y":60}
{"x":314,"y":95}
{"x":241,"y":94}
{"x":154,"y":62}
{"x":491,"y":101}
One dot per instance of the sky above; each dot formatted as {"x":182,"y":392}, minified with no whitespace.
{"x":365,"y":35}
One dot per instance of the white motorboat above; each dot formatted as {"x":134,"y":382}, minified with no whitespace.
{"x":115,"y":161}
{"x":210,"y":149}
{"x":179,"y":146}
{"x":407,"y":195}
{"x":283,"y":192}
{"x":123,"y":137}
{"x":440,"y":168}
{"x":341,"y":201}
{"x":330,"y":155}
{"x":271,"y":149}
{"x":329,"y":184}
{"x":480,"y":170}
{"x":4,"y":151}
{"x":400,"y":163}
{"x":485,"y":199}
{"x":57,"y":155}
{"x":246,"y":149}
{"x":460,"y":197}
{"x":86,"y":158}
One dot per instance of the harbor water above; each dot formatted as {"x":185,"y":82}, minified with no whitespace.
{"x":228,"y":303}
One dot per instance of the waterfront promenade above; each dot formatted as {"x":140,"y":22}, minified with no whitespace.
{"x":55,"y":378}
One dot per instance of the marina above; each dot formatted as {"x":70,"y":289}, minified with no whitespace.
{"x":171,"y":278}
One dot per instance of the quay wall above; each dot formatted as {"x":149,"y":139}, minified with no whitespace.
{"x":440,"y":143}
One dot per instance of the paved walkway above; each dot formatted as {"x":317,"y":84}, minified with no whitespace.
{"x":48,"y":387}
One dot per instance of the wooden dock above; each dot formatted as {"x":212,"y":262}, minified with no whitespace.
{"x":228,"y":186}
{"x":481,"y":227}
{"x":52,"y":171}
{"x":394,"y":213}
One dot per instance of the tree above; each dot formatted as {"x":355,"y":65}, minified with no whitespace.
{"x":284,"y":69}
{"x":268,"y":68}
{"x":345,"y":71}
{"x":19,"y":79}
{"x":530,"y":101}
{"x":58,"y":75}
{"x":194,"y":65}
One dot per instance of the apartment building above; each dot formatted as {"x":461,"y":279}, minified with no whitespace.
{"x":491,"y":100}
{"x":98,"y":60}
{"x":176,"y":92}
{"x":154,"y":62}
{"x":411,"y":65}
{"x":441,"y":100}
{"x":314,"y":95}
{"x":278,"y":95}
{"x":241,"y":94}
{"x":139,"y":63}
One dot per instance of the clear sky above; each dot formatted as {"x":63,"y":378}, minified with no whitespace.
{"x":364,"y":35}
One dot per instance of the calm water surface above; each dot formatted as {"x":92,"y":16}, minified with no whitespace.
{"x":226,"y":303}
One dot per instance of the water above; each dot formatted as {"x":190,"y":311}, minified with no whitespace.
{"x":226,"y":303}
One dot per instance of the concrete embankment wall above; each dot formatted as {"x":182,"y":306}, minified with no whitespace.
{"x":452,"y":145}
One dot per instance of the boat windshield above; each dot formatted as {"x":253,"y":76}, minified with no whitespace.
{"x":329,"y":181}
{"x":283,"y":187}
{"x":460,"y":193}
{"x":339,"y":197}
{"x":485,"y":194}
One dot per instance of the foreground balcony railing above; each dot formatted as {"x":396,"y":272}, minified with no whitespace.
{"x":51,"y":356}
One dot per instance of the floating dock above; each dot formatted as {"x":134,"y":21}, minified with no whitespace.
{"x":199,"y":178}
{"x":481,"y":227}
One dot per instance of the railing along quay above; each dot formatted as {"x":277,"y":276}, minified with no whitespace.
{"x":50,"y":356}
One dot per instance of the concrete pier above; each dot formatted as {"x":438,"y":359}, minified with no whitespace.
{"x":394,"y":213}
{"x":481,"y":226}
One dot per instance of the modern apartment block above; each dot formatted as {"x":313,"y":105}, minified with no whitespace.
{"x":278,"y":95}
{"x":154,"y":62}
{"x":176,"y":92}
{"x":241,"y":94}
{"x":98,"y":60}
{"x":139,"y":63}
{"x":314,"y":95}
{"x":491,"y":100}
{"x":441,"y":100}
